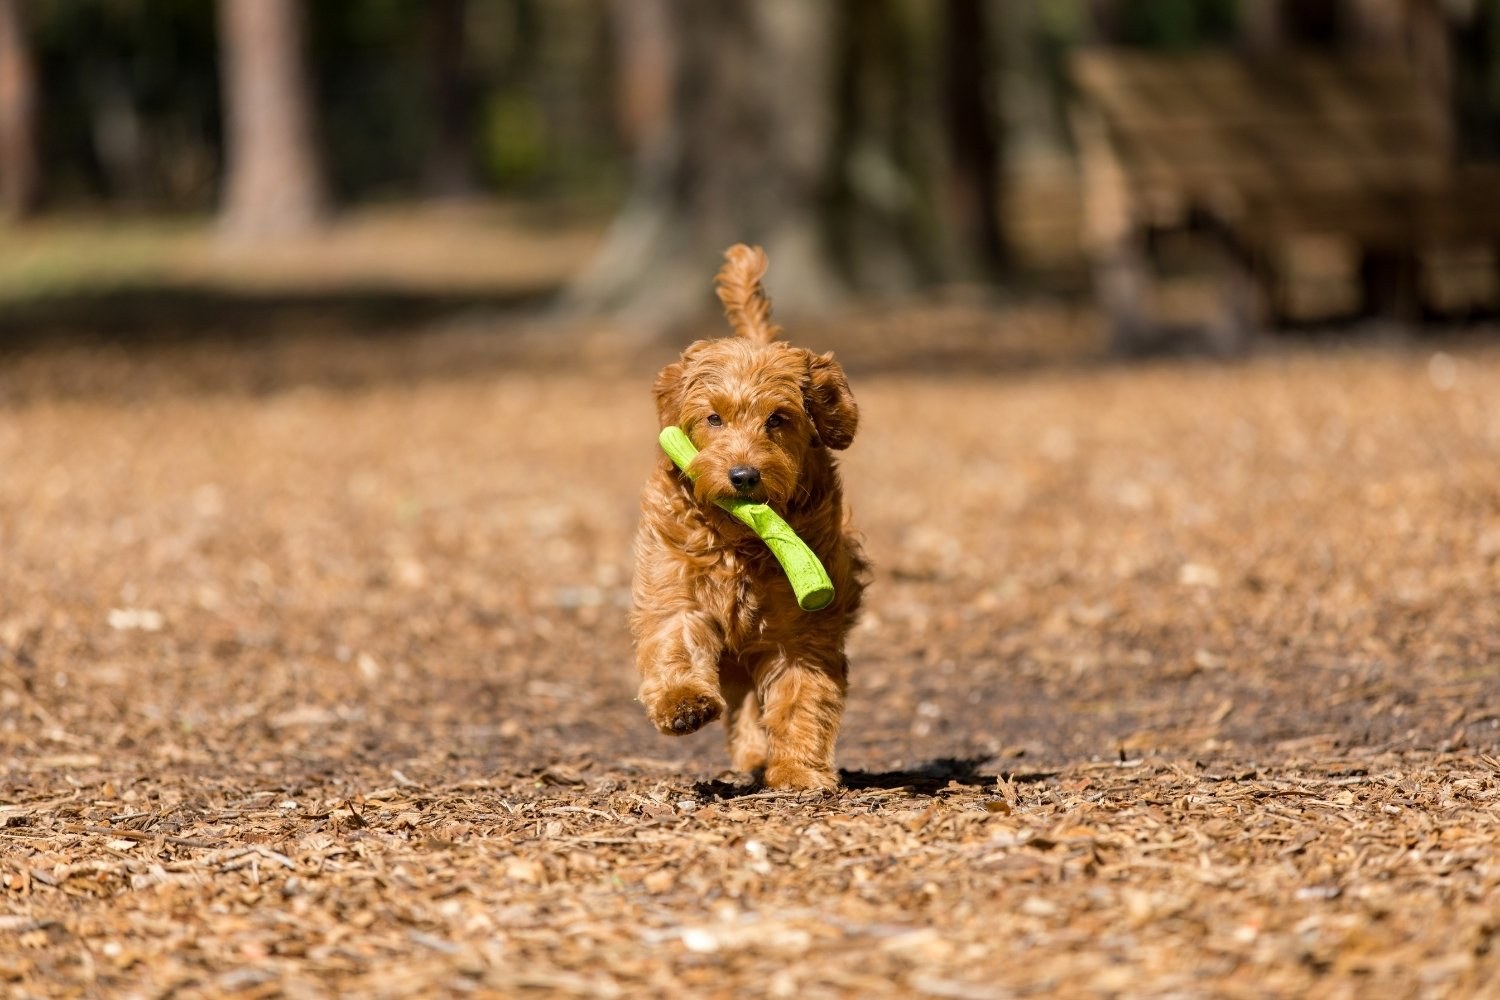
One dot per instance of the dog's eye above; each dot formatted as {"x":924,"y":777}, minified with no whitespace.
{"x":774,"y":421}
{"x":714,"y":420}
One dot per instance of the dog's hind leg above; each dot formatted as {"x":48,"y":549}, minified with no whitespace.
{"x":745,"y":735}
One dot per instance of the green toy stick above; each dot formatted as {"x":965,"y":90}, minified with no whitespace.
{"x":803,"y":570}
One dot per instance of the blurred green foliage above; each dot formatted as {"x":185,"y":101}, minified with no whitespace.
{"x":514,"y":139}
{"x":1178,"y":24}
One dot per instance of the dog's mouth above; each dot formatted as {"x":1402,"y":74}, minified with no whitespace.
{"x":709,"y":493}
{"x":757,"y":494}
{"x":724,"y":493}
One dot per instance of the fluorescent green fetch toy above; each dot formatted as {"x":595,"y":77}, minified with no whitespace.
{"x":803,"y":570}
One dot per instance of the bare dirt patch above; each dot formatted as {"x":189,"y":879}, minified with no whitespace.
{"x":1176,"y":680}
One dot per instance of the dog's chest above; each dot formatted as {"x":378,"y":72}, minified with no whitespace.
{"x":757,"y":602}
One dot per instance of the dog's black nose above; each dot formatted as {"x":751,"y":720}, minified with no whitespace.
{"x":744,"y":478}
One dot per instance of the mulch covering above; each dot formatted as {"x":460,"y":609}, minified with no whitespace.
{"x":1176,"y":680}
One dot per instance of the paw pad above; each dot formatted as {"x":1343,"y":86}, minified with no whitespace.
{"x":688,"y":712}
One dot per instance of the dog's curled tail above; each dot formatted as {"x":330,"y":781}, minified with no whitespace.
{"x":740,"y":288}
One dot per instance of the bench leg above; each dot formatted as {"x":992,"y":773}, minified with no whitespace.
{"x":1241,"y":306}
{"x":1122,"y":280}
{"x":1388,"y":281}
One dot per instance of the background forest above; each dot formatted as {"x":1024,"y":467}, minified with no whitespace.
{"x":885,"y":147}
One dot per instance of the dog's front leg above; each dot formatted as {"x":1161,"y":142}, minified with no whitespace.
{"x":679,"y":665}
{"x":802,"y":702}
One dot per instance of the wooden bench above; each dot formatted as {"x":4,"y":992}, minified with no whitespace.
{"x":1255,"y":152}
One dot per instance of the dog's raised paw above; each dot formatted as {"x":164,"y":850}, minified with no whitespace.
{"x":686,"y":710}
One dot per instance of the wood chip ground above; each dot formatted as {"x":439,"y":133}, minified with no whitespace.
{"x":1177,"y":680}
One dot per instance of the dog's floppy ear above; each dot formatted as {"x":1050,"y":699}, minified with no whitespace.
{"x":829,"y":401}
{"x":669,"y":388}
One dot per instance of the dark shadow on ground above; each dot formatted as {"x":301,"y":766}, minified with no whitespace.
{"x":936,"y":775}
{"x":140,"y":344}
{"x":158,"y":315}
{"x":930,"y":778}
{"x":196,"y":340}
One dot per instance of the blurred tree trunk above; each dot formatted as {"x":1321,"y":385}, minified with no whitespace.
{"x":1379,"y":24}
{"x":1390,"y":277}
{"x":744,"y":155}
{"x":1106,"y":18}
{"x":887,"y":232}
{"x":1267,"y":26}
{"x":121,"y":139}
{"x":807,"y":126}
{"x":645,"y":65}
{"x":1260,"y":26}
{"x":974,"y":141}
{"x":449,"y":171}
{"x":20,"y":176}
{"x":274,"y":185}
{"x":1475,"y":46}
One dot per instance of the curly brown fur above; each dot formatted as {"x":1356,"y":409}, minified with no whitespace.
{"x":717,"y":628}
{"x":740,"y":288}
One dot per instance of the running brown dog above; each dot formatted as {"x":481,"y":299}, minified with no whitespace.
{"x":717,"y":628}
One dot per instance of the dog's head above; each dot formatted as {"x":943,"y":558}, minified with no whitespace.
{"x":756,"y":408}
{"x":756,"y":412}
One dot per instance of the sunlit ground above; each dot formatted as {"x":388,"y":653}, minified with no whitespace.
{"x":1176,"y":677}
